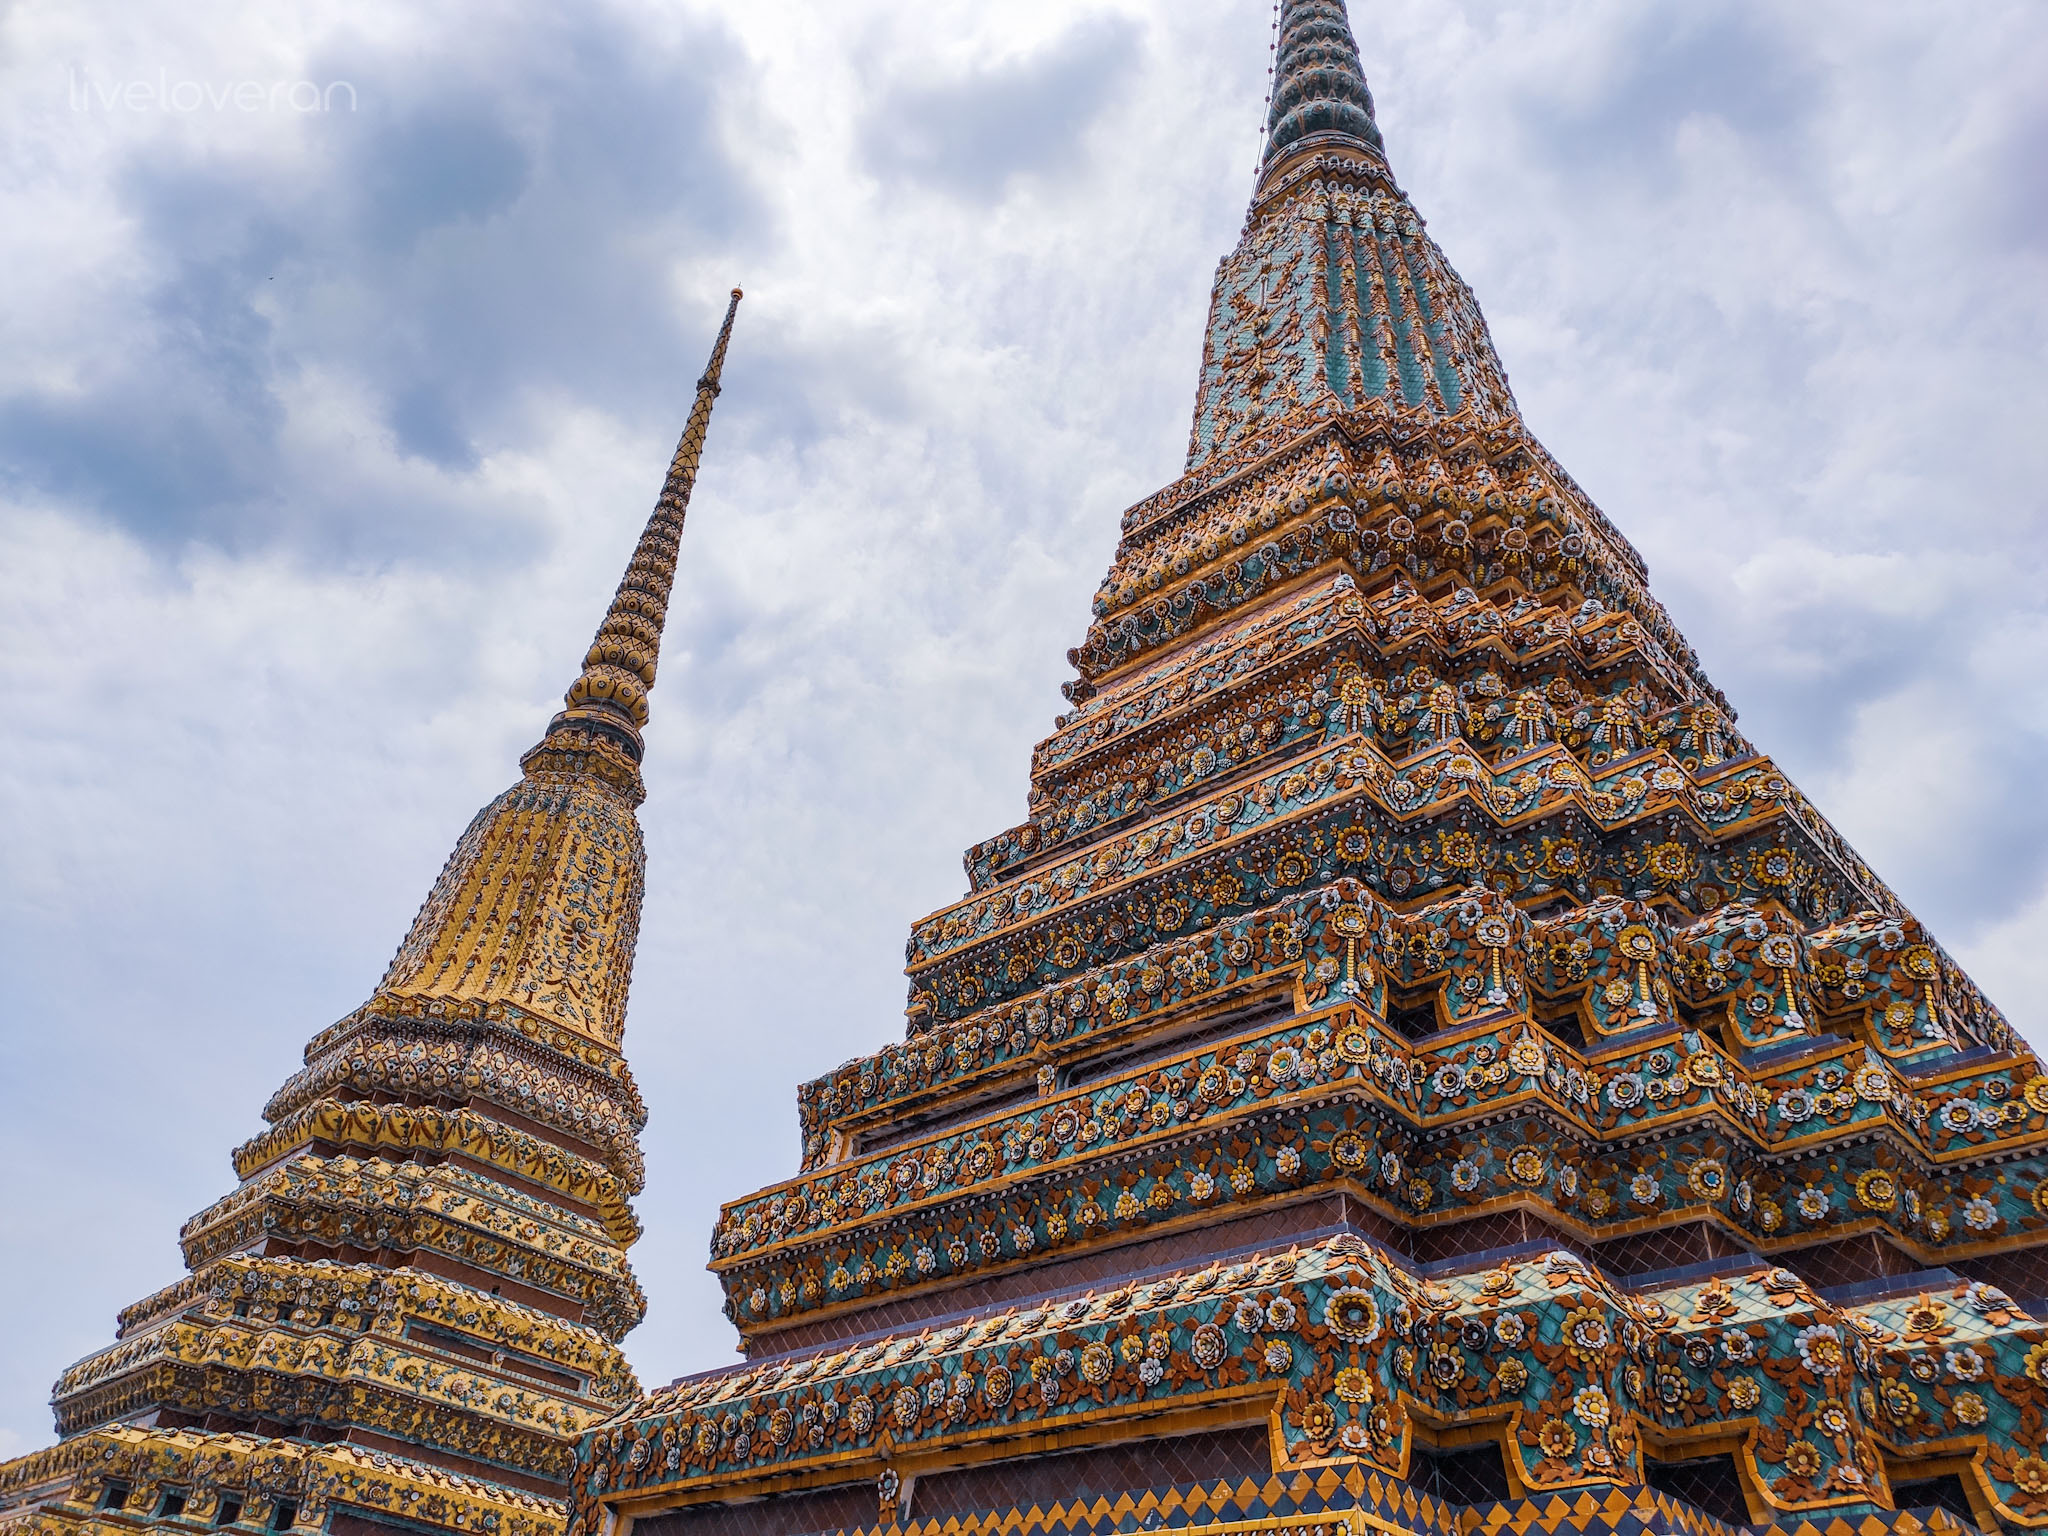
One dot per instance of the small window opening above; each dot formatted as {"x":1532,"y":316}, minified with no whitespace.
{"x":284,"y":1516}
{"x":230,"y":1512}
{"x":1564,"y":1028}
{"x":114,"y":1496}
{"x":1467,"y":1475}
{"x":172,"y":1506}
{"x":1710,"y":1484}
{"x":1415,"y":1021}
{"x":1944,"y":1493}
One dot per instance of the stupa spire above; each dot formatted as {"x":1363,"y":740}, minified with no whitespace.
{"x":1336,"y":300}
{"x":609,"y":695}
{"x":1319,"y":91}
{"x":411,"y":1303}
{"x":559,"y":938}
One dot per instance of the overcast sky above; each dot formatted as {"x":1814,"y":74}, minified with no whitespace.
{"x":325,"y":433}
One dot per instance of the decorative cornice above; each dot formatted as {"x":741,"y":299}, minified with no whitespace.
{"x":69,"y":1484}
{"x":1342,"y":1349}
{"x":397,"y":1127}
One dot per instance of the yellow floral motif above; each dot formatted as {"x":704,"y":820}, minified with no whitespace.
{"x":2035,"y":1366}
{"x":1708,"y":1178}
{"x":1636,"y":942}
{"x":1586,"y":1334}
{"x":1291,"y":868}
{"x":1802,"y":1458}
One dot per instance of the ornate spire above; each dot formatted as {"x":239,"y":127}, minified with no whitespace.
{"x":609,"y":697}
{"x":449,"y":1176}
{"x":1336,"y":300}
{"x":539,"y":905}
{"x":1319,"y":91}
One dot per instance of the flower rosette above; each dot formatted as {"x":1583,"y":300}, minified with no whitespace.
{"x":1352,"y":1315}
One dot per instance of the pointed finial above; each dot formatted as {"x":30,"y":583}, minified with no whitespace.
{"x":1319,"y":90}
{"x":609,"y":697}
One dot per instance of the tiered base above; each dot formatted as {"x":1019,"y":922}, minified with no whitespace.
{"x":117,"y":1480}
{"x":1087,"y":1494}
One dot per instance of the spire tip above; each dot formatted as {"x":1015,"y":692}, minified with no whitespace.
{"x":609,"y":696}
{"x":1319,"y":94}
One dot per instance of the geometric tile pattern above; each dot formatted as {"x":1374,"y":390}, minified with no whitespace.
{"x":1567,"y":1379}
{"x":1328,"y":1502}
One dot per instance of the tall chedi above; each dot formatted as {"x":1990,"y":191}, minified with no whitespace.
{"x":412,"y":1303}
{"x":1418,"y":1066}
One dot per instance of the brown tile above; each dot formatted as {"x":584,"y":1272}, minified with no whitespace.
{"x":1848,"y":1261}
{"x":1107,"y":1472}
{"x":1642,"y":1253}
{"x":810,"y":1513}
{"x":1709,"y":1484}
{"x":1482,"y":1234}
{"x":1472,"y":1476}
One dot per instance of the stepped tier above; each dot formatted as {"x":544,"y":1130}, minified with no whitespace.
{"x":1278,"y":1070}
{"x":123,"y":1478}
{"x":1340,"y":1356}
{"x":1418,"y":1066}
{"x":427,"y":1249}
{"x":419,"y":1358}
{"x":410,"y":1306}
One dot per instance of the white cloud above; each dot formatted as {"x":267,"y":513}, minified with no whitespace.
{"x":326,"y":440}
{"x":2003,"y":957}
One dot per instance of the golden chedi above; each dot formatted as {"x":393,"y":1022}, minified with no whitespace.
{"x":411,"y":1304}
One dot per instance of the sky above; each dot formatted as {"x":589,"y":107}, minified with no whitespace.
{"x":343,"y":346}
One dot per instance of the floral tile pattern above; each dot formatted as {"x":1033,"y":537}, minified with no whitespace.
{"x":1417,"y":1066}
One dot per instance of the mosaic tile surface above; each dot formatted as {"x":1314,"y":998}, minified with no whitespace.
{"x":1414,"y":1032}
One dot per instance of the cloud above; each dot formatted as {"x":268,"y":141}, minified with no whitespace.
{"x":2016,"y":188}
{"x":974,"y":132}
{"x":323,"y":438}
{"x":2003,"y":957}
{"x":1624,"y":104}
{"x":478,"y":216}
